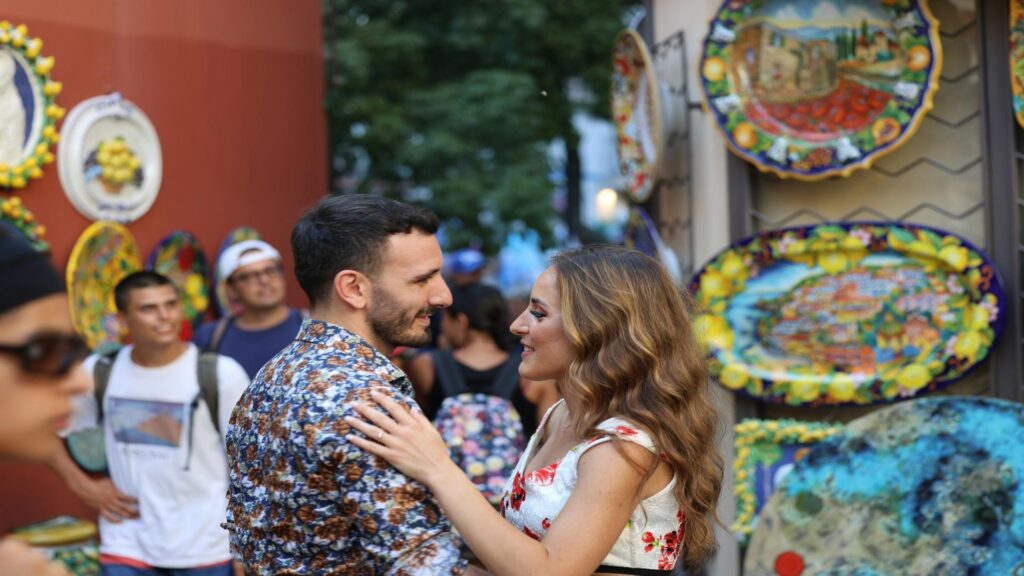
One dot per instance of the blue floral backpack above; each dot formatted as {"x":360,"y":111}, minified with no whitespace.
{"x":483,"y":430}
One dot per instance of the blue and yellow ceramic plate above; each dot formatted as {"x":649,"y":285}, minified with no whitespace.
{"x":853,"y":313}
{"x":933,"y":486}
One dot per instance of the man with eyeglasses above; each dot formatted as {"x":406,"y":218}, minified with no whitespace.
{"x":163,"y":504}
{"x":265,"y":324}
{"x":40,"y":373}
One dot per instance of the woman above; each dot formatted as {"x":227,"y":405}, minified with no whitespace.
{"x":622,"y":476}
{"x":40,"y":372}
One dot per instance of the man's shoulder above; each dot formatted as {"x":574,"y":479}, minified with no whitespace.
{"x":202,"y":335}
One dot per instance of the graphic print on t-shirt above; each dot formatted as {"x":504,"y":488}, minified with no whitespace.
{"x":147,"y":422}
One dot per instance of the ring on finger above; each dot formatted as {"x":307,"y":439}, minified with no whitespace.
{"x":380,"y":436}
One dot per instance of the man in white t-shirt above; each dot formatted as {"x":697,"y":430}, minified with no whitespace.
{"x":163,"y":504}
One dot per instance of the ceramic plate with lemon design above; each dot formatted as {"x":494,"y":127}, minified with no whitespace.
{"x":110,"y":163}
{"x":812,"y":89}
{"x":14,"y":212}
{"x":765,"y":452}
{"x":853,"y":313}
{"x":103,"y":255}
{"x":180,"y":257}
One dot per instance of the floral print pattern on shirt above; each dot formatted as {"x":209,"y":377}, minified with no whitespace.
{"x":303,"y":500}
{"x":533,"y":500}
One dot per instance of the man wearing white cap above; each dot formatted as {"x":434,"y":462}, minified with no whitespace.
{"x":255,"y":280}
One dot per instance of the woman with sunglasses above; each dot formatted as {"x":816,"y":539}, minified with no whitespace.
{"x":622,"y":475}
{"x":39,"y":372}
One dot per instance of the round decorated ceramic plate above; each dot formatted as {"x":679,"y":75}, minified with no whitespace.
{"x":221,"y":299}
{"x":104,"y":254}
{"x":14,"y":213}
{"x":28,"y":108}
{"x":853,"y":313}
{"x":636,"y":109}
{"x":816,"y":89}
{"x":110,"y":161}
{"x":933,"y":486}
{"x":180,"y":257}
{"x":1017,"y":58}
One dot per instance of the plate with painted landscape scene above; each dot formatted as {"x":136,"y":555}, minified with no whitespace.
{"x":852,"y":313}
{"x":815,"y":88}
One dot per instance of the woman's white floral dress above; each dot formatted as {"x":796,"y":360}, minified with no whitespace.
{"x":651,"y":540}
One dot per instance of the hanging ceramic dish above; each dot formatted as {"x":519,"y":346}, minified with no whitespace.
{"x":180,"y":257}
{"x":221,"y":300}
{"x":110,"y":161}
{"x":1017,"y":58}
{"x":14,"y":213}
{"x":853,"y":313}
{"x":103,"y":255}
{"x":765,"y":451}
{"x":817,"y":89}
{"x":642,"y":235}
{"x":931,"y":486}
{"x":640,"y":109}
{"x":28,"y":108}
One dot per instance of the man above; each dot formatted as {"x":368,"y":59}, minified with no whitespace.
{"x":40,"y":373}
{"x":162,"y":507}
{"x":303,"y":500}
{"x":254,"y":279}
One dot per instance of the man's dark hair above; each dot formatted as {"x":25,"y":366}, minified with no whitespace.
{"x":350,"y":232}
{"x":134,"y":281}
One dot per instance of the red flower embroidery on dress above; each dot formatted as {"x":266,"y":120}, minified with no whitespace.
{"x":625,"y":431}
{"x":649,"y":540}
{"x":543,"y":476}
{"x":531,"y":533}
{"x":518,"y":493}
{"x":545,"y":523}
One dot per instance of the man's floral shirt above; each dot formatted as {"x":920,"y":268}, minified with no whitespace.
{"x":303,"y":500}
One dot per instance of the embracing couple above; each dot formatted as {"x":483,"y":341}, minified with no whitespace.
{"x":333,"y":469}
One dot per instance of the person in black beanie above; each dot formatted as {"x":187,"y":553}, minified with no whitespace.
{"x":40,"y":372}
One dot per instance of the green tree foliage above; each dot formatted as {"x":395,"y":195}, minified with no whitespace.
{"x":452,"y":104}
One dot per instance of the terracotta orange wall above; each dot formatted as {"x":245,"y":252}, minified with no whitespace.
{"x":234,"y":89}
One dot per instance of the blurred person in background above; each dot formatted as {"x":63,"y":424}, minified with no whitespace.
{"x":40,"y":373}
{"x":255,"y":280}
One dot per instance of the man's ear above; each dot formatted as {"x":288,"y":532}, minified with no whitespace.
{"x":353,"y":288}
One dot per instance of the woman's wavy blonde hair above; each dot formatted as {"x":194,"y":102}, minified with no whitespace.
{"x":638,"y":359}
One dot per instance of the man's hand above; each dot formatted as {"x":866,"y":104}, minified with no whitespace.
{"x":102,"y":495}
{"x":19,"y":559}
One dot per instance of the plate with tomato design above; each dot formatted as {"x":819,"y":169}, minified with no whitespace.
{"x":180,"y":257}
{"x":853,"y":313}
{"x":812,"y":89}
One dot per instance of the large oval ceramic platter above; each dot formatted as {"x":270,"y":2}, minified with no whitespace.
{"x":816,"y":89}
{"x":180,"y":257}
{"x":933,"y":486}
{"x":1017,"y":58}
{"x":221,"y":300}
{"x":103,"y":255}
{"x":636,"y":110}
{"x":110,"y":161}
{"x":854,"y":313}
{"x":28,"y":107}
